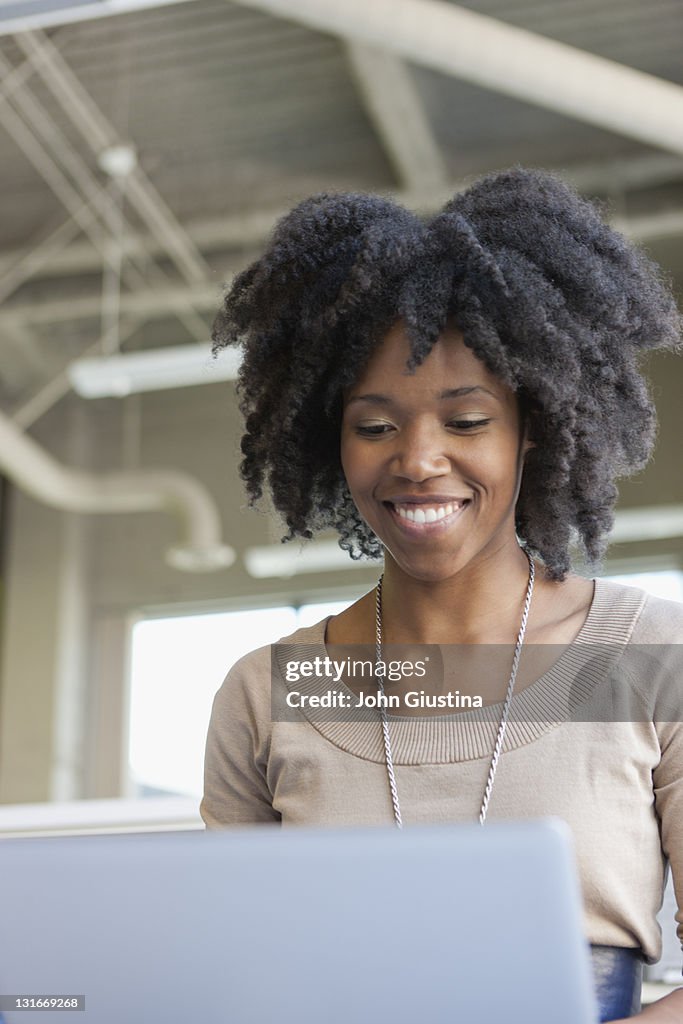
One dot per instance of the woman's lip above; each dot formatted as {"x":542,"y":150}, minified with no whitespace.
{"x":425,"y":499}
{"x":422,"y":529}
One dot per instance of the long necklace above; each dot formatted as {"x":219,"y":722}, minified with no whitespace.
{"x":388,"y":757}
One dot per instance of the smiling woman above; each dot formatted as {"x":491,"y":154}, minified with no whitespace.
{"x":457,"y":397}
{"x":434,"y":473}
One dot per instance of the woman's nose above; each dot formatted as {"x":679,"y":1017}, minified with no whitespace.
{"x":420,"y":453}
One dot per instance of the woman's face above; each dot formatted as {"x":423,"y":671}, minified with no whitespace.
{"x":433,"y":459}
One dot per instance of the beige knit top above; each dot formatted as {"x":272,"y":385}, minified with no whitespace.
{"x":597,"y":740}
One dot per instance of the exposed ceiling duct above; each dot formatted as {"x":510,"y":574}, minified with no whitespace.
{"x":73,"y":490}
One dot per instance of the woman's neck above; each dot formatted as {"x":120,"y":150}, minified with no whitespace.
{"x":481,"y":604}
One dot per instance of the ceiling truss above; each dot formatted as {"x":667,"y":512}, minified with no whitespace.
{"x":498,"y":56}
{"x":173,"y":268}
{"x":397,"y":112}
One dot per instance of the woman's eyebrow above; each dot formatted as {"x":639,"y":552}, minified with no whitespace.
{"x":449,"y":393}
{"x":379,"y":399}
{"x":458,"y":392}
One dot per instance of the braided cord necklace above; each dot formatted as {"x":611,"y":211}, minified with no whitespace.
{"x":388,"y":757}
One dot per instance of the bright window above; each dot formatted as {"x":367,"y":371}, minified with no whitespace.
{"x":177,"y":666}
{"x":668,"y":584}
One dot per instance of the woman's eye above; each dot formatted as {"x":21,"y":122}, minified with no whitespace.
{"x":373,"y":429}
{"x":468,"y":424}
{"x":378,"y":429}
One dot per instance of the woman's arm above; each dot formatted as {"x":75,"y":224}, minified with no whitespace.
{"x":668,"y":1010}
{"x":235,"y":786}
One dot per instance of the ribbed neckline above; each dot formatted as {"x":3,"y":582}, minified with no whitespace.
{"x":469,"y":735}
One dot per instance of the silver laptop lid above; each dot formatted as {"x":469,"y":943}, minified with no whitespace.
{"x":254,"y":926}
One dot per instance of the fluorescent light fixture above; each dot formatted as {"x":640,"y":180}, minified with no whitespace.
{"x":152,"y":370}
{"x":285,"y":560}
{"x":652,"y":522}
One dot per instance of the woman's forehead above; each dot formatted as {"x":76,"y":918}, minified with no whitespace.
{"x":450,"y":365}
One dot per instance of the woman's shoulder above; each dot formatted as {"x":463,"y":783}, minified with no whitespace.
{"x":314,"y":634}
{"x":653,"y":619}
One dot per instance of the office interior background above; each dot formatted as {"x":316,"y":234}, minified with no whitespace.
{"x":147,"y":150}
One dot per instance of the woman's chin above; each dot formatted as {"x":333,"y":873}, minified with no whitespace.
{"x":426,"y":570}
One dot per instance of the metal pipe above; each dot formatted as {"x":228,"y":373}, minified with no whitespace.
{"x":38,"y":473}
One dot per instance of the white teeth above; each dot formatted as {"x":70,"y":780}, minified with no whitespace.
{"x":425,"y":514}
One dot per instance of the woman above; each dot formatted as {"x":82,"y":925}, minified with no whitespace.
{"x":458,"y":398}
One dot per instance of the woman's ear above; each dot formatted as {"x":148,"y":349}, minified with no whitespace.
{"x":526,"y":424}
{"x":527,"y":441}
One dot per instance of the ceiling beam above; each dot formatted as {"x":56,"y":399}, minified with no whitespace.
{"x":15,"y":79}
{"x":647,"y":227}
{"x":211,"y":234}
{"x":144,"y":303}
{"x":85,"y":215}
{"x":244,"y":231}
{"x":22,"y":17}
{"x":625,"y":173}
{"x":506,"y":59}
{"x":31,"y":260}
{"x":54,"y":157}
{"x":162,"y":298}
{"x":54,"y":389}
{"x":35,"y":151}
{"x":21,"y":360}
{"x":394,"y":105}
{"x":100,"y":135}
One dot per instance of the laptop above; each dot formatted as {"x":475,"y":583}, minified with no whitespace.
{"x":257,"y":925}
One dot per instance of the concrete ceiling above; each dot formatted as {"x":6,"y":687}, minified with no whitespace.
{"x":237,"y":110}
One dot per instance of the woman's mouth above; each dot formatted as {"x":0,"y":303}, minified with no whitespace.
{"x":418,"y":519}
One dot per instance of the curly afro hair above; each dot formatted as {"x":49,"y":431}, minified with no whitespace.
{"x":548,"y":296}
